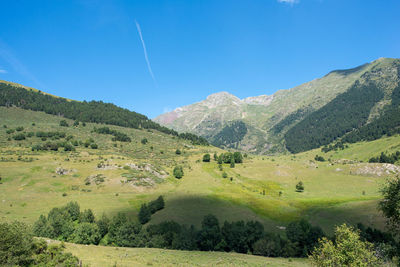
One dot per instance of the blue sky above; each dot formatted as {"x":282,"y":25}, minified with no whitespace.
{"x":88,"y":49}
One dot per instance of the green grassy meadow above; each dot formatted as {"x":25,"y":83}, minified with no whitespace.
{"x":262,"y":188}
{"x":111,"y":256}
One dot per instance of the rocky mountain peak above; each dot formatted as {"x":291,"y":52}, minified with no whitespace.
{"x":221,"y":99}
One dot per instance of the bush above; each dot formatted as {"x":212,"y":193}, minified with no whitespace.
{"x":238,"y":157}
{"x":319,"y":158}
{"x":300,"y":187}
{"x":348,"y":250}
{"x":69,"y":147}
{"x":178,"y":152}
{"x":19,"y":137}
{"x":93,"y":146}
{"x":64,"y":123}
{"x":206,"y":158}
{"x":144,"y":141}
{"x":178,"y":172}
{"x":224,"y":175}
{"x":19,"y":129}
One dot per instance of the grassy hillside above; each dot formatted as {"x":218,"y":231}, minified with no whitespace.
{"x":32,"y":187}
{"x":112,"y":256}
{"x":12,"y":94}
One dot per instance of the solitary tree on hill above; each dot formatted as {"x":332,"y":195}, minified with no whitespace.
{"x":300,"y":187}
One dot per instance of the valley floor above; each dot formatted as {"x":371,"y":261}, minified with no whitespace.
{"x":116,"y":256}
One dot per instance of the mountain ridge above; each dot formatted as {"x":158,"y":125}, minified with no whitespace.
{"x":289,"y":106}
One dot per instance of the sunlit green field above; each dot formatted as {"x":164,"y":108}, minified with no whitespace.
{"x":111,"y":256}
{"x":262,"y":188}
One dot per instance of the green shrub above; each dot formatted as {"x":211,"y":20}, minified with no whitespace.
{"x":64,"y":123}
{"x":206,"y":158}
{"x":178,"y":172}
{"x":93,"y":146}
{"x":300,"y":187}
{"x":19,"y":137}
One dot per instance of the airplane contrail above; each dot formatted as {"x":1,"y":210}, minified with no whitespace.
{"x":145,"y":52}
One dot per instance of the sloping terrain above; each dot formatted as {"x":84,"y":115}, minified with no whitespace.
{"x":47,"y":160}
{"x":106,"y":178}
{"x":269,"y":118}
{"x":111,"y":256}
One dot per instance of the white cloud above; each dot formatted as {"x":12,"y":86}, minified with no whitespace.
{"x":3,"y":71}
{"x":289,"y":1}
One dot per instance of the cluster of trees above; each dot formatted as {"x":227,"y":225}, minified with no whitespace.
{"x":40,"y":134}
{"x":230,"y":135}
{"x":53,"y":135}
{"x":383,"y":158}
{"x":336,"y":146}
{"x":319,"y":158}
{"x":146,"y":210}
{"x":67,"y":145}
{"x":348,"y":111}
{"x":19,"y":248}
{"x":229,"y":157}
{"x":93,"y":111}
{"x":64,"y":123}
{"x":118,"y":136}
{"x":196,"y":140}
{"x":53,"y":146}
{"x":11,"y":131}
{"x":19,"y":137}
{"x":70,"y":224}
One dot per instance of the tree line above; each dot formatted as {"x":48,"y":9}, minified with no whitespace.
{"x":70,"y":224}
{"x":118,"y":136}
{"x":93,"y":111}
{"x":383,"y":158}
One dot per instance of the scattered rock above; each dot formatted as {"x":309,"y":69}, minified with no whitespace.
{"x":375,"y":169}
{"x":149,"y":168}
{"x":95,"y":178}
{"x":62,"y":171}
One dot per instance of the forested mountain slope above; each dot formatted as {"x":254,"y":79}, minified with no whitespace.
{"x":12,"y":94}
{"x":304,"y":117}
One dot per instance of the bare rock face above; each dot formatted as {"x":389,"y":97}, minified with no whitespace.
{"x":264,"y":100}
